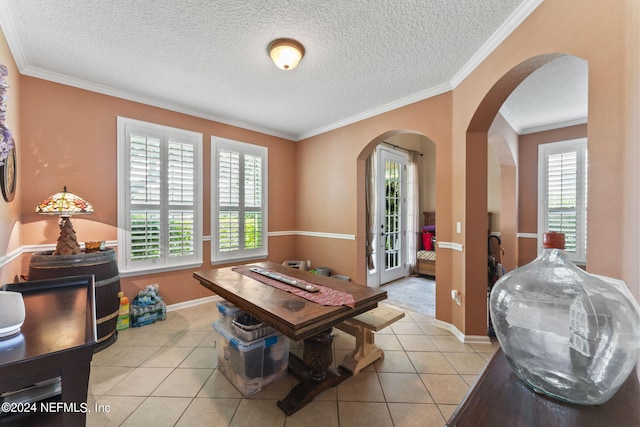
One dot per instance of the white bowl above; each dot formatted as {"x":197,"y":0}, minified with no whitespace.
{"x":12,"y":313}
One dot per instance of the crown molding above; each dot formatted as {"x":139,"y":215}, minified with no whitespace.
{"x":9,"y":29}
{"x":393,"y":105}
{"x":552,"y":126}
{"x":516,"y":18}
{"x":134,"y":97}
{"x":515,"y":124}
{"x":508,"y":116}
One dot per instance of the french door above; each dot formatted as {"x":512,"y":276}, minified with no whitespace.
{"x":392,"y":215}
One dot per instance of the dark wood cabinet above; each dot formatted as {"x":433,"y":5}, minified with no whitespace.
{"x":57,"y":339}
{"x":499,"y":398}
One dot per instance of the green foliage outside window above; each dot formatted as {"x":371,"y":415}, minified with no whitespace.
{"x":145,"y":237}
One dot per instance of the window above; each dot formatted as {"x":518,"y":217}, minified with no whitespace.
{"x":563,"y":194}
{"x":239,"y":201}
{"x":159,"y":194}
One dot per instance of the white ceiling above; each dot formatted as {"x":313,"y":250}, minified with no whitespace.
{"x":208,"y":58}
{"x":555,"y":95}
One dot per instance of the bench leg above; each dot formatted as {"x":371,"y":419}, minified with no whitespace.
{"x":366,"y":351}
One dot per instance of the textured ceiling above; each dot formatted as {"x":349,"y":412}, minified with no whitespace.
{"x":208,"y":58}
{"x":554,"y":95}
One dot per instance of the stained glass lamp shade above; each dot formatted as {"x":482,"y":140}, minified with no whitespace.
{"x":65,"y":204}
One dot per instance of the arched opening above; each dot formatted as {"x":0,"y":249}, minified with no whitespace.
{"x":419,"y":196}
{"x":481,"y":133}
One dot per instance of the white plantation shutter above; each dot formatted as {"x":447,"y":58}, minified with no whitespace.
{"x":159,"y":213}
{"x":563,"y":193}
{"x":253,"y":202}
{"x":144,"y":190}
{"x":228,"y":201}
{"x":181,"y":200}
{"x":239,"y":200}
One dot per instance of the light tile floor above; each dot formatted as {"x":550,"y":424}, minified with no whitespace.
{"x":165,"y":374}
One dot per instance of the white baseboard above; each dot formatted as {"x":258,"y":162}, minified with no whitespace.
{"x":465,"y":339}
{"x":193,"y":303}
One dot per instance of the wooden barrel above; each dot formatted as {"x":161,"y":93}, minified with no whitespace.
{"x":104,"y":267}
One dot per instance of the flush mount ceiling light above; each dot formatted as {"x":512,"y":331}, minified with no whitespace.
{"x":285,"y":53}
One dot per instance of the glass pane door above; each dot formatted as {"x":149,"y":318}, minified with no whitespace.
{"x":392,"y":212}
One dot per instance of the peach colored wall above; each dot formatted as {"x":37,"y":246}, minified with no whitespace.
{"x":590,"y":30}
{"x":509,"y":217}
{"x":69,"y":138}
{"x":322,"y":252}
{"x":631,"y":180}
{"x":10,"y":226}
{"x":504,"y":142}
{"x":595,"y":32}
{"x":428,"y":178}
{"x":494,"y":195}
{"x":331,"y":184}
{"x":528,"y":184}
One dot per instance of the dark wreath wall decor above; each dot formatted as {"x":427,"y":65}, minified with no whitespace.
{"x":7,"y":145}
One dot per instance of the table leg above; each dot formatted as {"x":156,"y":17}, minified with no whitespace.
{"x":75,"y":381}
{"x":313,"y":372}
{"x":318,"y":354}
{"x":366,"y":351}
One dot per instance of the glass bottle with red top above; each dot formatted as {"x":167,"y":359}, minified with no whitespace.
{"x":566,"y":333}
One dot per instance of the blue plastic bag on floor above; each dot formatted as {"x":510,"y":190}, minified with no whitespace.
{"x":147,"y":307}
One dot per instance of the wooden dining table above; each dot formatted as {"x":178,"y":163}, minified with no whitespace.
{"x":297,"y":318}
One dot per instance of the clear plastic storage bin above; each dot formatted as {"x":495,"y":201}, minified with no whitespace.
{"x":228,"y":313}
{"x":250,"y":365}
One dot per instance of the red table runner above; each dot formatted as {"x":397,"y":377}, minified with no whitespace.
{"x":325,"y":295}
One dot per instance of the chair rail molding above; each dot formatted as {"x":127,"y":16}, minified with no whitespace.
{"x":451,"y":245}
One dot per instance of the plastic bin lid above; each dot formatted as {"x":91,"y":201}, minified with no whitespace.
{"x":239,"y":344}
{"x":226,"y":307}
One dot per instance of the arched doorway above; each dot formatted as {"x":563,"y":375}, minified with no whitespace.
{"x":476,"y":147}
{"x":420,"y":154}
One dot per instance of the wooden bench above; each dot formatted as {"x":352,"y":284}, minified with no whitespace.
{"x":362,"y":327}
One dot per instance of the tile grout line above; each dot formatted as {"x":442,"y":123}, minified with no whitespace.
{"x":416,"y":319}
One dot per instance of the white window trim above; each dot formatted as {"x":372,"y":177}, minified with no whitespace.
{"x":544,"y":150}
{"x":218,"y":257}
{"x":126,"y":267}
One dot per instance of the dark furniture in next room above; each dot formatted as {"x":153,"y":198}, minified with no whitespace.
{"x":499,"y":398}
{"x":56,"y":340}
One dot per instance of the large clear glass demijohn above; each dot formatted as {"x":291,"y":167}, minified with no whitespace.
{"x":566,"y":333}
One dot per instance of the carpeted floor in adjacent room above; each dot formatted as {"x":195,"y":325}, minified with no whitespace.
{"x":416,"y":293}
